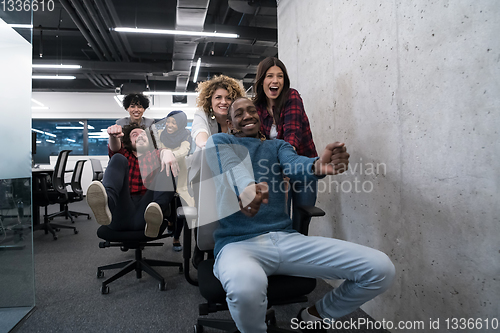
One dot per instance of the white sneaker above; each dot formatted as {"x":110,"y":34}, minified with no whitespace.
{"x":97,"y":198}
{"x":154,"y":219}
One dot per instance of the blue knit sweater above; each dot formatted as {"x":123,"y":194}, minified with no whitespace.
{"x":238,"y":162}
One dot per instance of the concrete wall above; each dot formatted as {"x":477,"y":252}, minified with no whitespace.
{"x":412,"y":88}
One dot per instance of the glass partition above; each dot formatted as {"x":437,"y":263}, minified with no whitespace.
{"x":17,"y":277}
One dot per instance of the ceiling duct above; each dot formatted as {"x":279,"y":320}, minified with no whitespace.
{"x":250,"y":7}
{"x":190,"y":15}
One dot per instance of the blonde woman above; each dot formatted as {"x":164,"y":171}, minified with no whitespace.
{"x":215,"y":96}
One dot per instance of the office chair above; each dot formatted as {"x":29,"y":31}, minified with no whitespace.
{"x":97,"y":172}
{"x":40,"y":185}
{"x":58,"y":193}
{"x":281,"y":289}
{"x":76,"y":186}
{"x":137,"y":241}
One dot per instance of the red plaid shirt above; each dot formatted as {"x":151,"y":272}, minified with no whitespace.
{"x":293,"y":127}
{"x":147,"y":169}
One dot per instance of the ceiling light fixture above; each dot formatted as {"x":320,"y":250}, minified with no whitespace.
{"x":88,"y":126}
{"x":42,"y":132}
{"x":37,"y":102}
{"x":176,"y":32}
{"x":53,"y":77}
{"x":171,"y":93}
{"x":119,"y":100}
{"x":198,"y":64}
{"x":57,"y":66}
{"x":69,"y":128}
{"x":22,"y":26}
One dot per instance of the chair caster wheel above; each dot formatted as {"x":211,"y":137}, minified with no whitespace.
{"x":181,"y":269}
{"x":104,"y":290}
{"x":55,"y":237}
{"x":198,"y":328}
{"x":76,"y":231}
{"x":57,"y":229}
{"x":88,"y":217}
{"x":162,"y":286}
{"x":100,"y":274}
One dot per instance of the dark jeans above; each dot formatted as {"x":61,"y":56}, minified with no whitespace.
{"x":128,"y":210}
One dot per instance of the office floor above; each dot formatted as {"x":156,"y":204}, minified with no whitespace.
{"x":68,"y":297}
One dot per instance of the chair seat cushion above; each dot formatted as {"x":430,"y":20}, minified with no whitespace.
{"x":110,"y":235}
{"x":280,"y":287}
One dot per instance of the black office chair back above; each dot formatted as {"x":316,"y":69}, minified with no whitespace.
{"x":58,"y":175}
{"x":97,"y":172}
{"x":76,"y":179}
{"x":40,"y":186}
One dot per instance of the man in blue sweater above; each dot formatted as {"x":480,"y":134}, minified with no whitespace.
{"x":256,"y":239}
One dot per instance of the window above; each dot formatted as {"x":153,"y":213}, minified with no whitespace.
{"x":83,"y":137}
{"x":98,"y":136}
{"x":56,"y":135}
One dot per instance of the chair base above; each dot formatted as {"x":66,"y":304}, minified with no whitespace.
{"x":228,"y":326}
{"x":139,"y":264}
{"x":47,"y":226}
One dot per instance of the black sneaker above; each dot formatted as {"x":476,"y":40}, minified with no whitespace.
{"x":309,"y":326}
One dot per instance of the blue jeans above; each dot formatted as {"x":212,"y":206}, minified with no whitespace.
{"x":243,"y":268}
{"x":128,"y":210}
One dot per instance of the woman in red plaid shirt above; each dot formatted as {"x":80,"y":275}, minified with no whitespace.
{"x":283,"y":117}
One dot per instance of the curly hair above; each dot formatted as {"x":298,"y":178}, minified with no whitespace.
{"x":136,"y":99}
{"x":207,"y":88}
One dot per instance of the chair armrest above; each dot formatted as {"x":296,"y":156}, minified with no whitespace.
{"x":306,"y":213}
{"x":187,"y":212}
{"x":312,"y":211}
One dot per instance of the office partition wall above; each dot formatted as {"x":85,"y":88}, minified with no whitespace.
{"x":17,"y":278}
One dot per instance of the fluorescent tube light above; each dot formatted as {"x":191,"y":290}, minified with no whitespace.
{"x":118,"y":101}
{"x":176,"y":32}
{"x":54,"y":77}
{"x":22,"y":26}
{"x":171,"y":93}
{"x":36,"y":102}
{"x":51,"y":141}
{"x":42,"y":132}
{"x":88,"y":126}
{"x":70,"y":140}
{"x":69,"y":128}
{"x":198,"y":64}
{"x":57,"y":66}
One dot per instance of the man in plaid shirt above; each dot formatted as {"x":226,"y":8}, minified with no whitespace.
{"x":134,"y":190}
